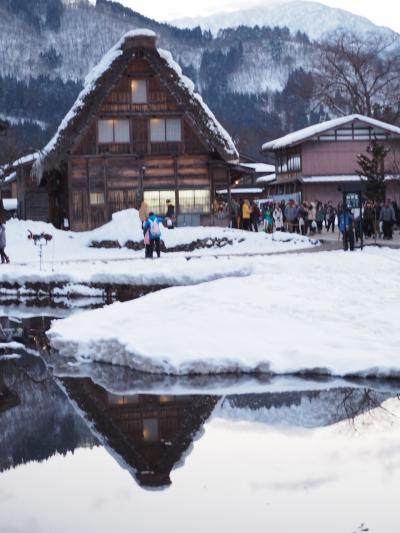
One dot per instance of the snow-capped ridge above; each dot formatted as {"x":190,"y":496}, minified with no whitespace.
{"x":315,"y":19}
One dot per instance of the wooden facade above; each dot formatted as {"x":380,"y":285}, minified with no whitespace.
{"x":316,"y":165}
{"x":140,"y":135}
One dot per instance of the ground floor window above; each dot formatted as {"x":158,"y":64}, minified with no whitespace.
{"x":96,"y":198}
{"x":194,"y":201}
{"x":157,"y":200}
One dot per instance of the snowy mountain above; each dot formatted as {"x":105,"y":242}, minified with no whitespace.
{"x":314,"y":19}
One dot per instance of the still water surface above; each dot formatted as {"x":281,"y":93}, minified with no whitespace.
{"x":108,"y":450}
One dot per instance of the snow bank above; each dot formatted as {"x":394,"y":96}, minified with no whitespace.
{"x":333,"y":313}
{"x":125,"y":226}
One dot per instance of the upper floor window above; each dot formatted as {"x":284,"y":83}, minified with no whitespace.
{"x":113,"y":131}
{"x":165,"y":130}
{"x":139,"y":91}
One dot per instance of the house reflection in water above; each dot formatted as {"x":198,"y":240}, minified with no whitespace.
{"x":149,"y":433}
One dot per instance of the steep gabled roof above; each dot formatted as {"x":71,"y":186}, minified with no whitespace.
{"x":300,"y":136}
{"x":102,"y":78}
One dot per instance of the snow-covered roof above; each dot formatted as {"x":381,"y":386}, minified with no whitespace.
{"x":299,"y":136}
{"x":108,"y":60}
{"x":250,"y":190}
{"x":260,"y":167}
{"x":213,"y":123}
{"x":10,"y":177}
{"x":341,"y":178}
{"x":266,"y":179}
{"x":330,"y":179}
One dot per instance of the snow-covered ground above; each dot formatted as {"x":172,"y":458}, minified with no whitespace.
{"x":69,"y":258}
{"x":331,"y":312}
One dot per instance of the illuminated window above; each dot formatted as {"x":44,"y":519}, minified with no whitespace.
{"x":195,"y":201}
{"x":96,"y":198}
{"x":157,"y":200}
{"x":113,"y":131}
{"x":165,"y":130}
{"x":150,"y":429}
{"x":139,"y":91}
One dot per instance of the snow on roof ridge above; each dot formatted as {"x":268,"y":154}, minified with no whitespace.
{"x":305,"y":133}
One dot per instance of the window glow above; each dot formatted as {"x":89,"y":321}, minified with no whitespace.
{"x":194,"y":201}
{"x":113,"y":131}
{"x":139,"y":91}
{"x":156,"y":200}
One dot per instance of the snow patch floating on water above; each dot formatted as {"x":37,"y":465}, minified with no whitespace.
{"x":311,"y":313}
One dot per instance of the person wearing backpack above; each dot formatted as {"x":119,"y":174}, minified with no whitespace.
{"x":152,"y":226}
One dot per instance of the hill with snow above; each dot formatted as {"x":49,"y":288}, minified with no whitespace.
{"x":314,"y":19}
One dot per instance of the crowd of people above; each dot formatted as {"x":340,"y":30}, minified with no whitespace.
{"x":310,"y":218}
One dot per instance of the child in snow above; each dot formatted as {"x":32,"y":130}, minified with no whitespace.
{"x":4,"y":257}
{"x":151,"y":229}
{"x":268,"y":221}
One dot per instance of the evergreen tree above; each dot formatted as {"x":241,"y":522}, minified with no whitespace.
{"x":373,"y":168}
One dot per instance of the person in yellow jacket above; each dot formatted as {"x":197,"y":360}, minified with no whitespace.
{"x":246,"y":215}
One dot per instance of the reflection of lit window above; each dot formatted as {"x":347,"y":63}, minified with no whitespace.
{"x":156,"y":200}
{"x":195,"y":201}
{"x":96,"y":198}
{"x":113,"y":131}
{"x":150,"y":429}
{"x":114,"y":399}
{"x":165,"y":130}
{"x":165,"y":398}
{"x":139,"y":91}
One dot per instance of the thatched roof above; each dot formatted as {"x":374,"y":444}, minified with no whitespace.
{"x":101,"y":80}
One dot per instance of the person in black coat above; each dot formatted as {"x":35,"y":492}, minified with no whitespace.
{"x":170,"y":214}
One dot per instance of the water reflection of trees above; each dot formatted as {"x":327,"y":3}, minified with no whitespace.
{"x":36,"y":422}
{"x":364,"y":403}
{"x":307,"y":408}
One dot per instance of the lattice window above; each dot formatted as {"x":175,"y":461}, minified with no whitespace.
{"x":194,"y":201}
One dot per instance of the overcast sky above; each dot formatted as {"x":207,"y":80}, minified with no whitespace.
{"x":383,"y":12}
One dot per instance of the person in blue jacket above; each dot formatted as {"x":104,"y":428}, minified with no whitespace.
{"x":152,"y":226}
{"x":346,"y":226}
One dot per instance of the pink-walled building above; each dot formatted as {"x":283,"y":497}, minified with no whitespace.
{"x":312,"y":163}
